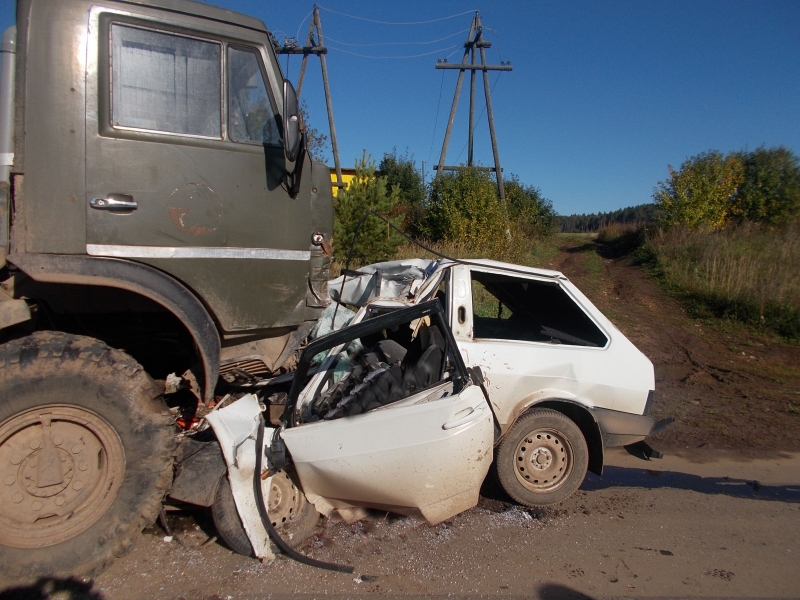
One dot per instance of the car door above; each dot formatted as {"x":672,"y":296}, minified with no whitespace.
{"x":425,"y":453}
{"x":184,"y":165}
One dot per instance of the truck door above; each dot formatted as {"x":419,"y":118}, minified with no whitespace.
{"x":184,"y":163}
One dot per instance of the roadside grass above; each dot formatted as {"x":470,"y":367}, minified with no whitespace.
{"x":749,"y":273}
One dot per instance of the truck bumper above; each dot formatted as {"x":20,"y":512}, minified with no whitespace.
{"x":620,"y":428}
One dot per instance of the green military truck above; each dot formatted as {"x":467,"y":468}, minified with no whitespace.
{"x":159,"y":216}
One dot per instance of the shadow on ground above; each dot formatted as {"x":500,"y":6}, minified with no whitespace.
{"x":651,"y":479}
{"x":53,"y":587}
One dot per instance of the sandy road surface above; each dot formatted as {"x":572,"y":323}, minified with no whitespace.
{"x":665,"y":528}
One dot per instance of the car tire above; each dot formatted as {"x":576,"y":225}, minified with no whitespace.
{"x":543,"y":459}
{"x":86,"y":454}
{"x":293,"y":516}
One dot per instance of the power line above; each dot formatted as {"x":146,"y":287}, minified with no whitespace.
{"x":436,"y":122}
{"x":399,"y":43}
{"x":468,"y":12}
{"x":392,"y":57}
{"x":299,"y":27}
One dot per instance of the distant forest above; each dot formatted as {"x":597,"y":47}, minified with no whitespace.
{"x":633,"y":215}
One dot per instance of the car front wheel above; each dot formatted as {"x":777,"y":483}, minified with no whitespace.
{"x":543,"y":458}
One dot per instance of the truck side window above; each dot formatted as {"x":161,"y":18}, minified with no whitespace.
{"x":251,"y":116}
{"x":165,"y":82}
{"x":514,"y":308}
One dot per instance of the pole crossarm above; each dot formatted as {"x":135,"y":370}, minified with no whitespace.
{"x":304,"y":50}
{"x":459,"y":168}
{"x":473,"y":67}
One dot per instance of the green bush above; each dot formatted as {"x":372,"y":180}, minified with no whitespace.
{"x":770,"y":190}
{"x":400,"y":171}
{"x":711,"y":190}
{"x":700,"y":194}
{"x":531,"y":213}
{"x":464,"y":206}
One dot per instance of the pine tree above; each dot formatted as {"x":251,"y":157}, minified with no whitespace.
{"x":376,"y":240}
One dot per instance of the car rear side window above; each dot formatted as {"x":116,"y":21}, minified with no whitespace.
{"x":165,"y":82}
{"x":515,"y":308}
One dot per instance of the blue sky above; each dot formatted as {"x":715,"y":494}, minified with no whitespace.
{"x":603,"y":95}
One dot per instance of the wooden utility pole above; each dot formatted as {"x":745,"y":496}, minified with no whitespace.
{"x":474,"y":44}
{"x":317,"y":47}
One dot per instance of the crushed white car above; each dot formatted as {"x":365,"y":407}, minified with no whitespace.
{"x":381,"y":414}
{"x":563,"y":381}
{"x":445,"y":368}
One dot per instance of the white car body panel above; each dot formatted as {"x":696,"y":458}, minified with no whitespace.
{"x":235,"y":426}
{"x":426,"y":455}
{"x":521,"y":373}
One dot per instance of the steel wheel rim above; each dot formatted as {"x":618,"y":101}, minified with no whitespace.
{"x":60,"y":470}
{"x":284,"y":500}
{"x":543,"y":460}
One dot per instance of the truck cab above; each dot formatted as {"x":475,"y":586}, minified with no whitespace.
{"x":159,"y":216}
{"x":148,"y":138}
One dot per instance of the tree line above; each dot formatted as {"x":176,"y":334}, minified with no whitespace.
{"x":460,"y":206}
{"x":635,"y":216}
{"x":713,"y":190}
{"x":709,"y":191}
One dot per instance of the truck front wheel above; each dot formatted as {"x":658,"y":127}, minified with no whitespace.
{"x":543,"y":458}
{"x":86,"y":450}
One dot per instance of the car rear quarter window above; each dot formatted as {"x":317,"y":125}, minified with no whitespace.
{"x":517,"y":308}
{"x":165,"y":82}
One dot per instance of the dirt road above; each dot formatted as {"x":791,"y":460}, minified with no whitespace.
{"x":665,"y":528}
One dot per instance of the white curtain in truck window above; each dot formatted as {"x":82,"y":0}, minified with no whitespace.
{"x":165,"y":82}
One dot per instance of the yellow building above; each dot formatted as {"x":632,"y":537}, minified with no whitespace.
{"x":347,"y":176}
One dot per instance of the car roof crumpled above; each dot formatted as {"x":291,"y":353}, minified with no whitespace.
{"x":392,"y":279}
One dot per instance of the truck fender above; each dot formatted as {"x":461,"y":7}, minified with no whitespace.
{"x":138,"y":278}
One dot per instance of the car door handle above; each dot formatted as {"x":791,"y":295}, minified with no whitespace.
{"x":114,"y":202}
{"x":475,"y":414}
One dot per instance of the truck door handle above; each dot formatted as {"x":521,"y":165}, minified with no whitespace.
{"x":114,"y":203}
{"x":473,"y":415}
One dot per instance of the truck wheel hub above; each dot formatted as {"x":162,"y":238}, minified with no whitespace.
{"x":60,"y":469}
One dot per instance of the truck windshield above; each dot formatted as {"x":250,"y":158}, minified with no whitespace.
{"x":252,"y":118}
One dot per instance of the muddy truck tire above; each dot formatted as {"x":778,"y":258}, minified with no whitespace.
{"x":294,"y":518}
{"x":543,"y":458}
{"x":86,"y":453}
